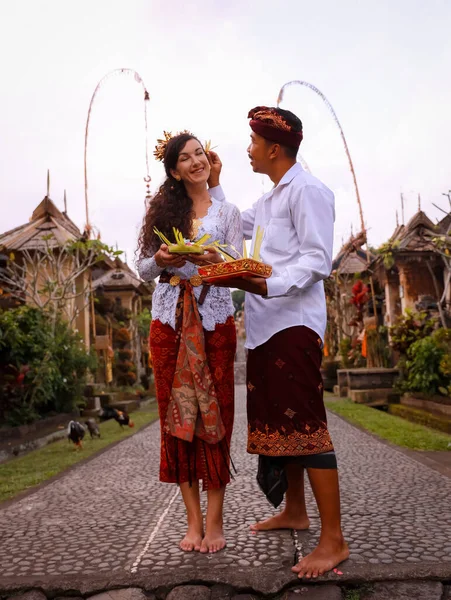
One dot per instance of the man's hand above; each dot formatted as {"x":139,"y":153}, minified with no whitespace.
{"x":164,"y":258}
{"x":249,"y":283}
{"x":215,"y":169}
{"x":211,"y":255}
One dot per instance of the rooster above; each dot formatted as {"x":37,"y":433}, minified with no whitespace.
{"x":119,"y":416}
{"x":75,"y":433}
{"x":93,"y":428}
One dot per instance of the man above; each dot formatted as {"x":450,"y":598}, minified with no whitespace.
{"x":285,"y":320}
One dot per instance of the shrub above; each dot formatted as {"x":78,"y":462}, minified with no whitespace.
{"x":409,"y":328}
{"x":43,"y":365}
{"x":426,"y":366}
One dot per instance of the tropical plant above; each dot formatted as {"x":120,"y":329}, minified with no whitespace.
{"x":409,"y":328}
{"x":387,"y":251}
{"x":43,"y":365}
{"x":143,"y":320}
{"x":427,"y":365}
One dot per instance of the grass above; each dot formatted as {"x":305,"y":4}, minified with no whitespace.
{"x":23,"y":473}
{"x":388,"y":427}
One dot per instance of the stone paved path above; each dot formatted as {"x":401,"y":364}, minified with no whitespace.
{"x":111,"y":516}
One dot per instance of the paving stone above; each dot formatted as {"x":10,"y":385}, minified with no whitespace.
{"x":318,"y":592}
{"x":415,"y":590}
{"x":124,"y":594}
{"x":31,"y":595}
{"x":222,"y":592}
{"x":395,"y":511}
{"x":447,"y":593}
{"x":190,"y":592}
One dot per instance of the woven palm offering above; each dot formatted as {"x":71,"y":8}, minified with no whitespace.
{"x":183,"y":246}
{"x":237,"y":268}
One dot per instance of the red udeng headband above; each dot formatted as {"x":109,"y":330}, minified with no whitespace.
{"x":292,"y":139}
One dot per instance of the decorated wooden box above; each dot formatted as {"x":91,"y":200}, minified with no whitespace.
{"x":234,"y":269}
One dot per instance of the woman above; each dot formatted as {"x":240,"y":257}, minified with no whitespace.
{"x":192,"y":338}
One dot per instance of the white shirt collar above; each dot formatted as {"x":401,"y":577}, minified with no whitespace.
{"x":290,"y":174}
{"x":287,"y":178}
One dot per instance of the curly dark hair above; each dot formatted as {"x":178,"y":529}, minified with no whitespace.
{"x":171,"y":206}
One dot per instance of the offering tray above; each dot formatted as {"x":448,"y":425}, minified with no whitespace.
{"x":234,"y":269}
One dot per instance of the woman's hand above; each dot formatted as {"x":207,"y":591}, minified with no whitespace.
{"x":164,"y":258}
{"x":215,"y":168}
{"x":211,"y":255}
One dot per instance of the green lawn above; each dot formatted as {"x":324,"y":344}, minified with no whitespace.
{"x":24,"y":472}
{"x":393,"y":429}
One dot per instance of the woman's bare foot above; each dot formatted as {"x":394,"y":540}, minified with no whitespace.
{"x":326,"y":556}
{"x":213,"y":541}
{"x":282,"y":521}
{"x":192,"y":540}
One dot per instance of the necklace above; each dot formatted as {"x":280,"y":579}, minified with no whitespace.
{"x":197,"y":223}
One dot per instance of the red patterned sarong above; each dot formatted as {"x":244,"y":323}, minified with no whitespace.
{"x":187,"y":461}
{"x":194,"y":408}
{"x":285,"y":408}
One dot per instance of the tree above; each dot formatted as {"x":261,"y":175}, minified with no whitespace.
{"x":53,"y":277}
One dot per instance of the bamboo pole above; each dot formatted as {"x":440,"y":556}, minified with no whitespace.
{"x":351,"y":166}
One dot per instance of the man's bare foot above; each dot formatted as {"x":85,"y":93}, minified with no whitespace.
{"x":213,"y":541}
{"x":282,"y":521}
{"x":192,"y":540}
{"x":326,"y":556}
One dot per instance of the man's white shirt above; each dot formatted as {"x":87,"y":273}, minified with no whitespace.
{"x":297,"y":217}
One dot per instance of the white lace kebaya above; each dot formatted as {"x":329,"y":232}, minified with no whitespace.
{"x":223,"y":222}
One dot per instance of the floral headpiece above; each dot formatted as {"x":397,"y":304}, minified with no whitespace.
{"x":160,"y":148}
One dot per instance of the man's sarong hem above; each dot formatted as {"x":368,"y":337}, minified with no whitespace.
{"x":290,"y":452}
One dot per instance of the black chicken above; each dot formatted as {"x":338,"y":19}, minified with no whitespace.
{"x":119,"y":416}
{"x":93,"y":428}
{"x":75,"y":433}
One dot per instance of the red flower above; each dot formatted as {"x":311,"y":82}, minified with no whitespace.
{"x":359,"y":293}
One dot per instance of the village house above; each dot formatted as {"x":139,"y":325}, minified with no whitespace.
{"x":111,"y":278}
{"x":410,"y":270}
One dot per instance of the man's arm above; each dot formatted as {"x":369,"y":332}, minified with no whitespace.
{"x":313,"y":218}
{"x":247,"y":216}
{"x":216,"y":191}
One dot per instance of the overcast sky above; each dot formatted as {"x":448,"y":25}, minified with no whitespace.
{"x":385,"y":67}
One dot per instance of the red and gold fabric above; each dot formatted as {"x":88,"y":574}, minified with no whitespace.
{"x":193,"y":409}
{"x":286,"y":413}
{"x":268,"y":123}
{"x":194,"y":380}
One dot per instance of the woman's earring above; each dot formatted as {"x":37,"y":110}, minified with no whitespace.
{"x":177,"y":177}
